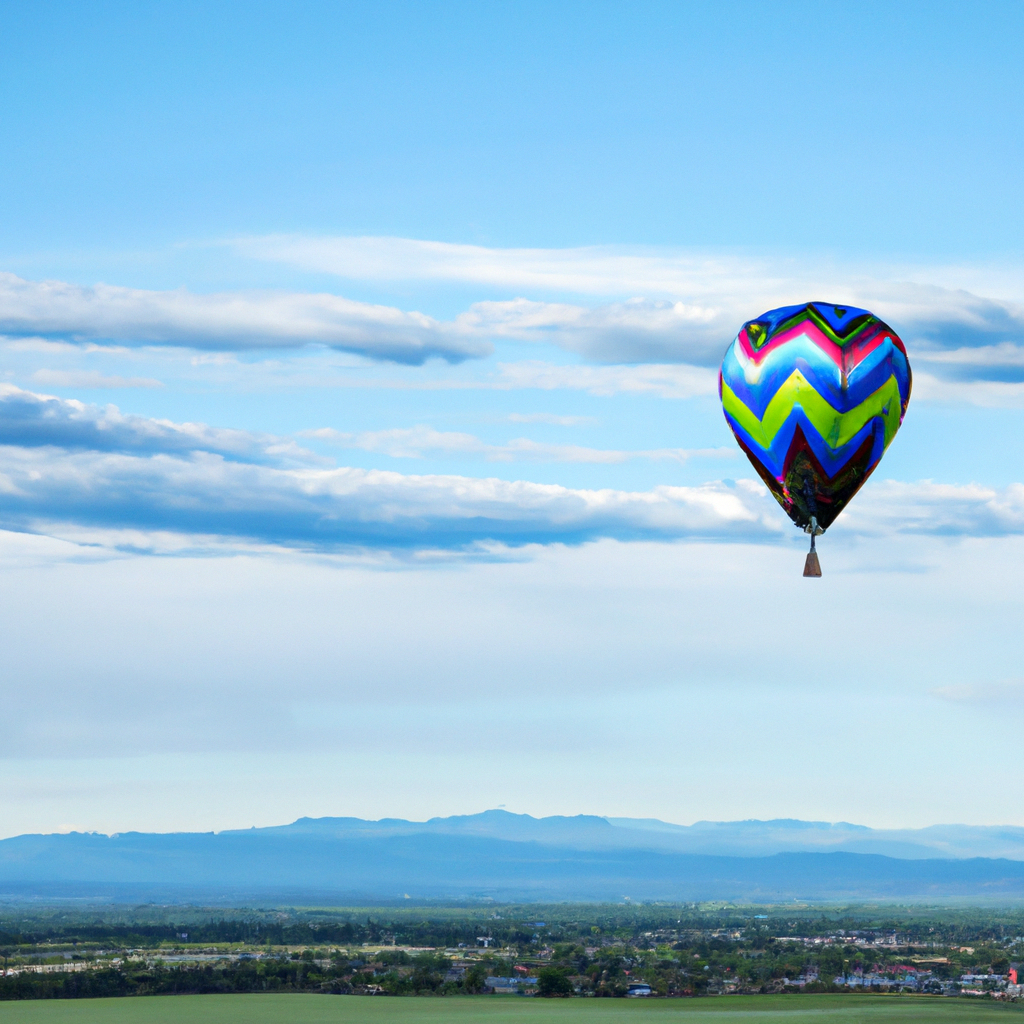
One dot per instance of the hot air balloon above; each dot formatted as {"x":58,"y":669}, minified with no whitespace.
{"x":814,"y":395}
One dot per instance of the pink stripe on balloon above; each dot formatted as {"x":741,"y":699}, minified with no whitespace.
{"x":807,"y":327}
{"x":846,"y":358}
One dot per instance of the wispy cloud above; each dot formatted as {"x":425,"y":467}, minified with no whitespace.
{"x":993,"y":394}
{"x":660,"y":308}
{"x":206,"y":495}
{"x":417,"y":442}
{"x":661,"y":380}
{"x":1004,"y":694}
{"x":210,"y":498}
{"x":65,"y":465}
{"x":680,"y":306}
{"x":67,"y":468}
{"x":550,"y":418}
{"x":231,"y":320}
{"x":636,"y":331}
{"x":29,"y":420}
{"x":89,"y":379}
{"x":925,"y":507}
{"x":589,"y":270}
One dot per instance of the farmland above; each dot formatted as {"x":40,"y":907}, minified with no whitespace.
{"x":313,"y":1009}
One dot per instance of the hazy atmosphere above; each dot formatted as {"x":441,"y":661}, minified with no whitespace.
{"x":360,"y":445}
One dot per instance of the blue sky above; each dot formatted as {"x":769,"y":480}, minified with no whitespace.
{"x":359,"y":446}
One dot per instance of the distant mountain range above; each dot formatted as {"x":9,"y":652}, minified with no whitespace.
{"x":507,"y":856}
{"x":749,"y":838}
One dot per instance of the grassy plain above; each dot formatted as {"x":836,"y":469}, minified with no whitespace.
{"x":320,"y":1009}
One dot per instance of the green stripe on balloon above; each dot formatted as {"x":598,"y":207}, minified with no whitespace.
{"x":836,"y":428}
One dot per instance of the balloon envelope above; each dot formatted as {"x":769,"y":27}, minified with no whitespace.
{"x":814,"y":395}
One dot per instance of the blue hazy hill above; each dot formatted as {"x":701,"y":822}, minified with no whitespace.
{"x":752,"y":838}
{"x":517,"y":857}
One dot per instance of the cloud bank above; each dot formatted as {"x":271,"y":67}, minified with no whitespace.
{"x":661,"y":380}
{"x":66,"y":464}
{"x":417,"y":442}
{"x":66,"y":467}
{"x":208,"y":496}
{"x":30,"y":421}
{"x":226,"y":321}
{"x":640,"y":306}
{"x":678,"y":306}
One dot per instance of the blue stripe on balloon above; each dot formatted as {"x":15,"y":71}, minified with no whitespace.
{"x":821,"y":372}
{"x":832,"y":460}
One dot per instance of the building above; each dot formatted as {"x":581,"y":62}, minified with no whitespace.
{"x":509,"y":986}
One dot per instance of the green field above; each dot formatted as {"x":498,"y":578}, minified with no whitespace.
{"x":316,"y":1009}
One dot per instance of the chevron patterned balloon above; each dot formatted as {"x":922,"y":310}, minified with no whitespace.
{"x":815,"y":394}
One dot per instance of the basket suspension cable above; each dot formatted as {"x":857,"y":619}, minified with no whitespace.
{"x":812,"y":567}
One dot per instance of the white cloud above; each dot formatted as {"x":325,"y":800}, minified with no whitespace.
{"x":29,"y":420}
{"x":230,"y":320}
{"x":598,"y":270}
{"x":1002,"y":355}
{"x":416,"y":442}
{"x":690,"y":303}
{"x":1006,"y":695}
{"x":667,"y":307}
{"x":403,"y":443}
{"x":66,"y":467}
{"x":954,"y":510}
{"x":90,"y":379}
{"x":353,"y":508}
{"x":551,"y":419}
{"x":984,"y":393}
{"x":640,"y":330}
{"x":54,"y":312}
{"x":662,"y":380}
